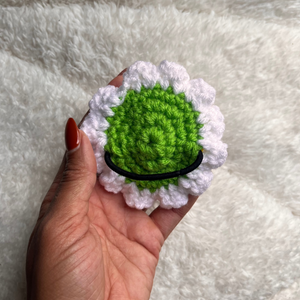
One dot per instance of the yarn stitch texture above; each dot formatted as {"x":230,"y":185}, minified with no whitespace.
{"x":156,"y":122}
{"x":153,"y":132}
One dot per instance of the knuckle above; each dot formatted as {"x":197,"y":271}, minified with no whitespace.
{"x":50,"y":233}
{"x":47,"y":228}
{"x":74,"y":173}
{"x":59,"y":232}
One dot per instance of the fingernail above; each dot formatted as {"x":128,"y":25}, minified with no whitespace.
{"x":72,"y":135}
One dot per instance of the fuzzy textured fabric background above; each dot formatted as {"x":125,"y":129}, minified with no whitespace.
{"x":241,"y":240}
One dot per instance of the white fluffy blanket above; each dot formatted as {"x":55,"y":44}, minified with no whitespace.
{"x":241,"y":240}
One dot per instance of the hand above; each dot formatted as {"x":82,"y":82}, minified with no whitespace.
{"x":87,"y":243}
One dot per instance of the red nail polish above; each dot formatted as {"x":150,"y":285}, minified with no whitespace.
{"x":71,"y":135}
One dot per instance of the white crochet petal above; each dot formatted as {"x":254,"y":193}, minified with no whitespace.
{"x":98,"y":121}
{"x":172,"y":74}
{"x":111,"y":180}
{"x":214,"y":152}
{"x":198,"y":182}
{"x":174,"y":196}
{"x":138,"y":74}
{"x":200,"y":93}
{"x":213,"y":121}
{"x":103,"y":100}
{"x":97,"y":138}
{"x":100,"y":162}
{"x":136,"y":198}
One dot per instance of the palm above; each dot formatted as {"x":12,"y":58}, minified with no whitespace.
{"x":98,"y":248}
{"x":122,"y":246}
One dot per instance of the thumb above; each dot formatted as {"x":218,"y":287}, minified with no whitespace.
{"x":79,"y":176}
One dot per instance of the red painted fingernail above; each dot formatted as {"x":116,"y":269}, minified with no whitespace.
{"x":71,"y":135}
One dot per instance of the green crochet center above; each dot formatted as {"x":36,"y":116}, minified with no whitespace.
{"x":152,"y":132}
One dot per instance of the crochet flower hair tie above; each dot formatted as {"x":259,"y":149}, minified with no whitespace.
{"x":157,"y":136}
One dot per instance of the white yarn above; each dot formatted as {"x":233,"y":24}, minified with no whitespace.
{"x":199,"y":180}
{"x":136,"y":198}
{"x":175,"y":196}
{"x":112,"y":181}
{"x":198,"y":92}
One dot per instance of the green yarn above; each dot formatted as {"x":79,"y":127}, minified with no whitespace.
{"x":153,"y":132}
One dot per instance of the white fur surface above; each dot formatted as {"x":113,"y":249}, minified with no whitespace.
{"x":241,"y":240}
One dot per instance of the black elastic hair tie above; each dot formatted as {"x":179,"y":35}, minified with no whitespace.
{"x":134,"y":176}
